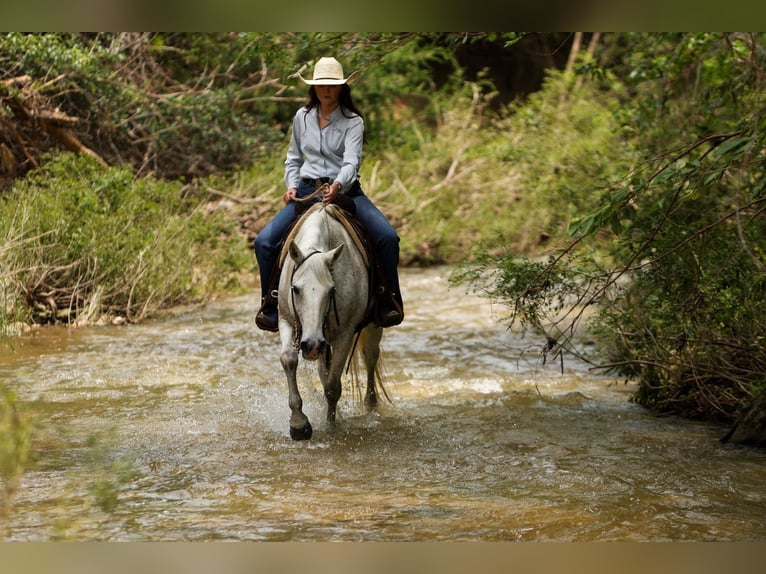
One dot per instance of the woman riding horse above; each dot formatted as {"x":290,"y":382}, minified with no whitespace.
{"x":326,"y":148}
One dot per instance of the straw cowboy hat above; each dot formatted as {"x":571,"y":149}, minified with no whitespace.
{"x":328,"y":72}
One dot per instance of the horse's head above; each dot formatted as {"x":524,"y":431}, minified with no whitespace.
{"x":313,"y":297}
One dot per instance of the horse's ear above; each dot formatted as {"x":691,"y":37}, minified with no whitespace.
{"x":334,"y":254}
{"x":296,"y":253}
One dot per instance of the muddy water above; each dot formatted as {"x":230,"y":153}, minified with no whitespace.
{"x":178,"y":430}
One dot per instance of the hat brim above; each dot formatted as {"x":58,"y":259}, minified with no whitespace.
{"x":330,"y":81}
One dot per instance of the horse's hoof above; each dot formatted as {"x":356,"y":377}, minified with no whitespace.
{"x":303,"y":433}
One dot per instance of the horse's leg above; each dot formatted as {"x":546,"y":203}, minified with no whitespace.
{"x":300,"y":427}
{"x":331,"y":379}
{"x":371,"y":351}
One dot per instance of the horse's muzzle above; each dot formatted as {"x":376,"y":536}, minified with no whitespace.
{"x":312,"y":349}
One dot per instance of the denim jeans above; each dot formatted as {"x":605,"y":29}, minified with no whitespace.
{"x":385,"y":241}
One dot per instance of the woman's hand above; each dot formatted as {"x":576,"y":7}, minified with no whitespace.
{"x":332,"y":191}
{"x":290,"y":195}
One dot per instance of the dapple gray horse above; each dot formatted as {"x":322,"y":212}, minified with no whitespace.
{"x":323,"y":297}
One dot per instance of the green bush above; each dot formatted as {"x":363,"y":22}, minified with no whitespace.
{"x":672,"y":249}
{"x":87,"y":241}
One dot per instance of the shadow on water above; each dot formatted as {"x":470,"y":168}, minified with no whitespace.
{"x":477,"y":445}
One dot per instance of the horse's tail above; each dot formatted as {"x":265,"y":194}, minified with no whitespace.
{"x":356,"y":359}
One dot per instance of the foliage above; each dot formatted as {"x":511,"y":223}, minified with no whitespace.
{"x":111,"y":473}
{"x":562,"y":149}
{"x":88,"y":242}
{"x":478,"y":174}
{"x":182,"y":104}
{"x":16,"y":432}
{"x":695,"y":248}
{"x":568,"y":147}
{"x":682,"y":303}
{"x":139,"y":98}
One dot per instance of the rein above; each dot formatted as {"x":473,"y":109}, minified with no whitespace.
{"x":313,"y":195}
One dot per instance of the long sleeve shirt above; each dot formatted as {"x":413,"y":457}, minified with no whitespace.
{"x":334,"y":151}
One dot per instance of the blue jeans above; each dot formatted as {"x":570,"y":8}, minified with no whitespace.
{"x":385,"y":241}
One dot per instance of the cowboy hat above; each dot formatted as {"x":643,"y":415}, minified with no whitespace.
{"x":328,"y":72}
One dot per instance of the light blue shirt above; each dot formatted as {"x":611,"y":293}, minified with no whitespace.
{"x":335,"y":151}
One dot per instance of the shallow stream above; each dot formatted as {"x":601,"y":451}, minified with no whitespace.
{"x":178,"y":430}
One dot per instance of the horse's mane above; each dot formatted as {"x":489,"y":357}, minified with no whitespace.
{"x":338,"y":215}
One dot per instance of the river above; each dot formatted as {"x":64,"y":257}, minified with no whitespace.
{"x":177,"y":429}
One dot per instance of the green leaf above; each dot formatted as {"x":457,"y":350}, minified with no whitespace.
{"x":758,"y":188}
{"x":711,"y":177}
{"x":582,"y":227}
{"x":621,"y":195}
{"x":732,"y":145}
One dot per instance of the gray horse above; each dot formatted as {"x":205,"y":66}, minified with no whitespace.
{"x":323,"y":297}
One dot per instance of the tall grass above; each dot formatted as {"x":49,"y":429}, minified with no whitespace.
{"x":510,"y":179}
{"x":83,"y":243}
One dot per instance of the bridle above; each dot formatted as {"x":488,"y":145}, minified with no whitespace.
{"x":326,"y":329}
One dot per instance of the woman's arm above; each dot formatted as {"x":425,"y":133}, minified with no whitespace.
{"x":352,"y":155}
{"x":294,"y":158}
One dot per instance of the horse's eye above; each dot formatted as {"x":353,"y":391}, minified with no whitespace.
{"x":296,"y":290}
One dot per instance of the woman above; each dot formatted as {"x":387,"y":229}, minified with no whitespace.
{"x":326,"y":147}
